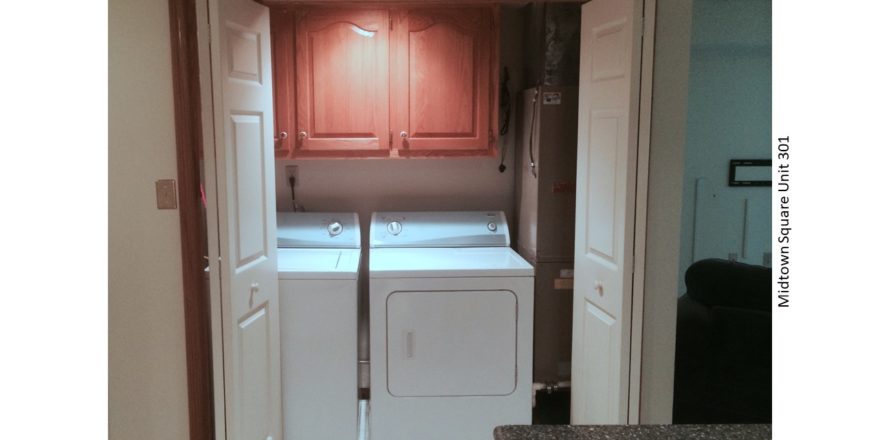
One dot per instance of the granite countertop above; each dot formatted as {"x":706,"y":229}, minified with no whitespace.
{"x":632,"y":432}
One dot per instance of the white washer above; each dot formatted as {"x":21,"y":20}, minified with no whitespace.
{"x":450,"y":326}
{"x":318,"y":259}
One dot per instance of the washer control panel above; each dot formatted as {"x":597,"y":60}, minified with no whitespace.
{"x":335,"y":228}
{"x":318,"y":230}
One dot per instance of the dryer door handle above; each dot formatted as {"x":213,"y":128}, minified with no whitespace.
{"x":409,"y":344}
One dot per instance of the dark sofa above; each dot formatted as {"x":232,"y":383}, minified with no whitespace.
{"x":723,"y":344}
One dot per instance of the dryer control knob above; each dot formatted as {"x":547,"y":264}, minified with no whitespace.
{"x":394,"y":228}
{"x":492,"y":226}
{"x":334,"y":229}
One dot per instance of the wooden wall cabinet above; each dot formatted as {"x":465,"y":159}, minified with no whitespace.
{"x":414,"y":81}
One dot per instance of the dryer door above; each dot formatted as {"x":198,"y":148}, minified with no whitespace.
{"x":451,"y":343}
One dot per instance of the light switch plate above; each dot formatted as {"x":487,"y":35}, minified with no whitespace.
{"x":166,"y":194}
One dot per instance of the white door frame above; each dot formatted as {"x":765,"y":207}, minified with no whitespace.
{"x":670,"y":32}
{"x":636,"y":406}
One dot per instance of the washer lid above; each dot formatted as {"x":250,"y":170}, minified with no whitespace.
{"x":439,"y":229}
{"x":448,"y":262}
{"x":318,"y":264}
{"x":319,"y":230}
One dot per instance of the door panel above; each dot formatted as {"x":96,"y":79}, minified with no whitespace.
{"x":249,"y":171}
{"x":451,"y":343}
{"x":253,"y":356}
{"x":342,"y":81}
{"x":245,"y":196}
{"x":442,"y":66}
{"x":601,"y":176}
{"x":444,"y":79}
{"x":600,"y":363}
{"x":605,"y":210}
{"x":244,"y":54}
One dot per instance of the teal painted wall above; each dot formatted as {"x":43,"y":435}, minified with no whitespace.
{"x":729,"y":117}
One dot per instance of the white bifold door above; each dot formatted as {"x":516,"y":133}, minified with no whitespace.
{"x":605,"y":210}
{"x":240,"y":179}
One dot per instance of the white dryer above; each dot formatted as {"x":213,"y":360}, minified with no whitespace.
{"x":450,"y":326}
{"x":318,"y":261}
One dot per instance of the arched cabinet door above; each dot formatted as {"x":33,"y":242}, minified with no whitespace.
{"x":443,"y":80}
{"x":342,"y":82}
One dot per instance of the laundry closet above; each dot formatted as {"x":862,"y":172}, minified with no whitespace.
{"x":424,"y":159}
{"x":532,"y":43}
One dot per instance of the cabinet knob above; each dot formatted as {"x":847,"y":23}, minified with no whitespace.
{"x":302,"y":135}
{"x":282,"y":136}
{"x":404,"y":135}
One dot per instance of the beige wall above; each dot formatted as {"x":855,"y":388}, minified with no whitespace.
{"x":147,"y":377}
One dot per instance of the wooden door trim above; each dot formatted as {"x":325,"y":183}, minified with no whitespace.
{"x":193,"y":234}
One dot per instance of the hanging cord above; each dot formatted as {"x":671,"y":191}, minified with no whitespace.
{"x":505,"y":116}
{"x":532,"y":164}
{"x":296,"y":206}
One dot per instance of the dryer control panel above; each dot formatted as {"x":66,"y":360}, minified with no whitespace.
{"x":439,"y":229}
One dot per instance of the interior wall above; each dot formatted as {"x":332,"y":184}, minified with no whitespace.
{"x":147,"y":358}
{"x":729,"y":116}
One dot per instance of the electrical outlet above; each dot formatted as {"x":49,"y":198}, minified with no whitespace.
{"x":292,"y":171}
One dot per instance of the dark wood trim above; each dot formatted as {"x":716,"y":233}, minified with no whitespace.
{"x":193,"y":235}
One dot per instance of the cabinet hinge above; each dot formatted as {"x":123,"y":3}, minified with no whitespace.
{"x":390,"y":23}
{"x":390,"y":139}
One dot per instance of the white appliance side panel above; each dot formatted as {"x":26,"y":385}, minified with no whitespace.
{"x":318,"y":320}
{"x":451,"y":343}
{"x":459,"y":417}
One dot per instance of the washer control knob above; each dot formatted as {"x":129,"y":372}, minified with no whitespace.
{"x":335,"y":228}
{"x":492,"y":226}
{"x":394,"y":228}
